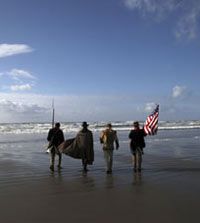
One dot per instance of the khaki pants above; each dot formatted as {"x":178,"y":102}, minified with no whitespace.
{"x":108,"y":155}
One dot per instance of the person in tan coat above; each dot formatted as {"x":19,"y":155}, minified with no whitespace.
{"x":108,"y":137}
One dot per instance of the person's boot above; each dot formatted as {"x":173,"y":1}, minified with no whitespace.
{"x":85,"y":168}
{"x":109,"y":171}
{"x":51,"y":168}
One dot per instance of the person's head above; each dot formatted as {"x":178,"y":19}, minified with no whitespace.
{"x":57,"y":125}
{"x":84,"y":125}
{"x":136,"y":125}
{"x":109,"y":125}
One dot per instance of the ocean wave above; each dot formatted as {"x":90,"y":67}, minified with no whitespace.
{"x":35,"y":128}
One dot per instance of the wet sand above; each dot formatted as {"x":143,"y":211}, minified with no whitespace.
{"x":167,"y":190}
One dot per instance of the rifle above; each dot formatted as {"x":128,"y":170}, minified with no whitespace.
{"x":53,"y":113}
{"x":53,"y":120}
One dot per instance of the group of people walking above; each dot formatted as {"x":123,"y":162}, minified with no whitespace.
{"x":84,"y":146}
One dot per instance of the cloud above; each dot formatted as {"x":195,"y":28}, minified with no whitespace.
{"x":71,"y":107}
{"x":22,"y":87}
{"x":178,"y":91}
{"x":149,"y":107}
{"x":13,"y":49}
{"x":18,"y":80}
{"x":22,"y":107}
{"x":157,"y":7}
{"x":187,"y":14}
{"x":13,"y":107}
{"x":15,"y":111}
{"x":18,"y":74}
{"x":187,"y":25}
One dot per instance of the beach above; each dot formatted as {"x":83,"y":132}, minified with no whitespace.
{"x":167,"y":189}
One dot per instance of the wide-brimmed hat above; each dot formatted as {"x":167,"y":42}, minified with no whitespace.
{"x":84,"y":124}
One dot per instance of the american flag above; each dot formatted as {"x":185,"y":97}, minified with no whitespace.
{"x":151,"y":124}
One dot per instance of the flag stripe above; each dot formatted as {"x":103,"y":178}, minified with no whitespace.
{"x":151,"y":124}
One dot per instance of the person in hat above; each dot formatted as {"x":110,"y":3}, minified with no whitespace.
{"x":55,"y":138}
{"x":137,"y":144}
{"x":108,"y":137}
{"x":84,"y":140}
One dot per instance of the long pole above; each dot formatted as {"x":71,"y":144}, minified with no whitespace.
{"x":53,"y":113}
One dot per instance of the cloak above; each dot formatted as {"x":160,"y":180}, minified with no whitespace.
{"x":80,"y":147}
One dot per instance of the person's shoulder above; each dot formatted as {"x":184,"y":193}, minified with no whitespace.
{"x":142,"y":130}
{"x":114,"y":131}
{"x":60,"y":131}
{"x":103,"y":132}
{"x":51,"y":130}
{"x":79,"y":132}
{"x":90,"y":131}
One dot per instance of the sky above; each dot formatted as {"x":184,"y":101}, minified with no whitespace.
{"x":99,"y":60}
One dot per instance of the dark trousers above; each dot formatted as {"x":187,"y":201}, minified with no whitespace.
{"x":137,"y":158}
{"x":53,"y":154}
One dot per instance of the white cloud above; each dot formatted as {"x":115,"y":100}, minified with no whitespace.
{"x":178,"y":91}
{"x":187,"y":26}
{"x":158,"y":7}
{"x":71,"y":107}
{"x":18,"y":80}
{"x":149,"y":107}
{"x":18,"y":74}
{"x":21,"y":107}
{"x":22,"y":87}
{"x":15,"y":111}
{"x":13,"y":49}
{"x":187,"y":17}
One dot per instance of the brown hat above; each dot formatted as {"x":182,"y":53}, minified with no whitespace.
{"x":109,"y":125}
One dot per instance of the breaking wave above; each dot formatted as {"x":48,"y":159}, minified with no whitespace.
{"x":21,"y":128}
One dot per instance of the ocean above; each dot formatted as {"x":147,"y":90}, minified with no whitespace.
{"x":165,"y":191}
{"x":26,"y":142}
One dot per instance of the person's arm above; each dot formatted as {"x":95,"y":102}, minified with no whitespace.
{"x":49,"y":135}
{"x":130,"y":135}
{"x":92,"y":144}
{"x":144,"y":133}
{"x":101,"y":137}
{"x":62,"y":136}
{"x":116,"y":141}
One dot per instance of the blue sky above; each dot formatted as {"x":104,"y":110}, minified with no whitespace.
{"x":100,"y":60}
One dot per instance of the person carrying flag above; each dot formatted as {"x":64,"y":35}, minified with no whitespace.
{"x":137,"y":144}
{"x":137,"y":137}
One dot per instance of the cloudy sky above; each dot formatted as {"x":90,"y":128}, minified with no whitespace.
{"x":99,"y":59}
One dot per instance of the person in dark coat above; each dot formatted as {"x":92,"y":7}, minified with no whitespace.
{"x":55,"y":138}
{"x":84,"y":142}
{"x":137,"y":144}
